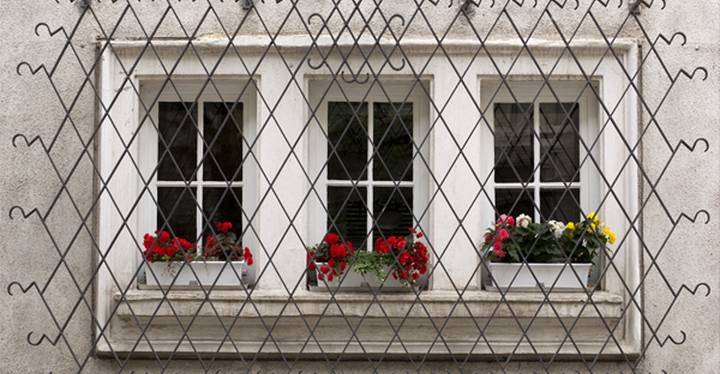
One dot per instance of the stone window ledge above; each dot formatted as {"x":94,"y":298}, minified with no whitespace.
{"x":222,"y":311}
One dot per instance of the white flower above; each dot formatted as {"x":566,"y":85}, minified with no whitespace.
{"x":523,"y":220}
{"x":558,"y":228}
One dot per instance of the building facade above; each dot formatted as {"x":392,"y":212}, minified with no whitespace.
{"x":291,"y":120}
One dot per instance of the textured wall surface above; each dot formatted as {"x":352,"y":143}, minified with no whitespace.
{"x":30,"y":106}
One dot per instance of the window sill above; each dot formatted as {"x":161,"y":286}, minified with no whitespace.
{"x":502,"y":323}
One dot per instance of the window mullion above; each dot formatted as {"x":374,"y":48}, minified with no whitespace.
{"x":370,"y":193}
{"x":199,"y":174}
{"x":536,"y":163}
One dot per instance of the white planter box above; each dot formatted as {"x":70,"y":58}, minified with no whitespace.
{"x":354,"y":281}
{"x":197,"y":273}
{"x":558,"y":276}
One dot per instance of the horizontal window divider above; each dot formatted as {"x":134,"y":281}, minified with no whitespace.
{"x":210,"y":184}
{"x":543,"y":185}
{"x":341,"y":183}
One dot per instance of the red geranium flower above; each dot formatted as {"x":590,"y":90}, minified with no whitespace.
{"x":331,"y":238}
{"x":224,"y":227}
{"x":248,"y":256}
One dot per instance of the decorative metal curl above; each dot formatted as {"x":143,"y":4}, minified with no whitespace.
{"x":22,"y":212}
{"x":694,"y":290}
{"x":30,"y":68}
{"x":691,"y":76}
{"x":28,"y":143}
{"x":648,"y":4}
{"x":691,"y":148}
{"x":669,"y":41}
{"x":676,"y":342}
{"x":23,"y":289}
{"x":695,"y":217}
{"x":36,"y":343}
{"x":605,"y":3}
{"x":562,"y":6}
{"x":51,"y":33}
{"x":354,"y":77}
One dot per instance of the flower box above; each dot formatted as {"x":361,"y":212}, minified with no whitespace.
{"x":197,"y":273}
{"x":351,"y":280}
{"x":559,"y":276}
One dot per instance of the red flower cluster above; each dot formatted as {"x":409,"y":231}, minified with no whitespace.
{"x":412,"y":255}
{"x":501,"y":226}
{"x":333,"y":253}
{"x":248,"y":256}
{"x":162,"y":247}
{"x":226,"y":245}
{"x":224,"y":227}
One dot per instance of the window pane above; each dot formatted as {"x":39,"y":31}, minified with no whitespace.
{"x":179,"y":132}
{"x":347,"y":131}
{"x":346,"y":207}
{"x":559,"y":142}
{"x":393,"y":125}
{"x":393,"y":211}
{"x":513,"y":142}
{"x":554,"y":205}
{"x":225,"y":133}
{"x":176,"y":212}
{"x":514,"y":201}
{"x":222,"y":205}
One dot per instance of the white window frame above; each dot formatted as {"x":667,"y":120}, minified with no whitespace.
{"x":536,"y":93}
{"x":394,"y":89}
{"x":188,"y":90}
{"x":458,"y":117}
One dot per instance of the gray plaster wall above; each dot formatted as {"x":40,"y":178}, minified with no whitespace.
{"x":30,"y":106}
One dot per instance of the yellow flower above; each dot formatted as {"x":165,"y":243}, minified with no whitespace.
{"x":570,"y":226}
{"x":594,"y":218}
{"x":610,"y":235}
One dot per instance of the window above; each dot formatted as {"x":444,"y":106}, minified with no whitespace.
{"x":370,"y":152}
{"x":194,"y":150}
{"x":373,"y":173}
{"x":540,"y":147}
{"x":371,"y":159}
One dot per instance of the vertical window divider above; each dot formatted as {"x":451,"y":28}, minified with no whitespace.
{"x":370,"y":175}
{"x":199,"y":175}
{"x":536,"y":164}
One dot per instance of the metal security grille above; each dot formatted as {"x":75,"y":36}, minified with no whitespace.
{"x":440,"y":117}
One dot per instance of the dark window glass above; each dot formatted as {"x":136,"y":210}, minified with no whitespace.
{"x":347,"y":214}
{"x":347,"y":132}
{"x":393,"y":211}
{"x":177,"y":141}
{"x":176,"y":211}
{"x":513,"y":142}
{"x":223,"y":133}
{"x":222,"y":205}
{"x":560,"y":205}
{"x":559,"y":142}
{"x":514,"y":201}
{"x":393,"y":125}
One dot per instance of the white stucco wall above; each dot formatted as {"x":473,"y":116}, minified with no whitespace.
{"x":31,"y":107}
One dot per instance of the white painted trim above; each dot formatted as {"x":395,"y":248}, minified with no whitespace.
{"x":300,"y":43}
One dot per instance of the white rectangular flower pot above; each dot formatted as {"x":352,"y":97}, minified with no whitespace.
{"x":558,"y":276}
{"x":197,"y":273}
{"x":351,"y":280}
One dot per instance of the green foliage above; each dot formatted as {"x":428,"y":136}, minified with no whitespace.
{"x":366,"y":262}
{"x":547,"y":242}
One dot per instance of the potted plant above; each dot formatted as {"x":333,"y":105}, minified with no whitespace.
{"x":174,"y":261}
{"x":396,"y":263}
{"x":552,"y":251}
{"x":328,"y":260}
